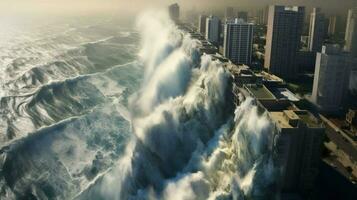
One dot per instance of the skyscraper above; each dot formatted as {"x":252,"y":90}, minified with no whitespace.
{"x":261,"y":16}
{"x":299,"y":147}
{"x":285,"y":26}
{"x":331,"y":80}
{"x":317,"y":30}
{"x":213,"y":28}
{"x":351,"y":32}
{"x":238,"y":41}
{"x":332,"y":25}
{"x":243,"y":15}
{"x":229,"y":13}
{"x":202,"y":24}
{"x":174,"y":11}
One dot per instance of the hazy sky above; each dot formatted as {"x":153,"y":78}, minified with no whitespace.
{"x":125,"y":6}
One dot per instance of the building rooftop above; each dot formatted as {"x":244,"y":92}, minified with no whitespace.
{"x":280,"y":119}
{"x":270,"y":77}
{"x":238,"y":21}
{"x":284,"y":94}
{"x":310,"y":120}
{"x":260,"y":92}
{"x":237,"y":70}
{"x":291,"y":118}
{"x":224,"y":60}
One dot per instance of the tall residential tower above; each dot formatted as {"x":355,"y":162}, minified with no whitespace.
{"x":351,"y":32}
{"x":285,"y":24}
{"x":332,"y":25}
{"x":213,"y":29}
{"x":331,"y":80}
{"x":174,"y":11}
{"x":317,"y":30}
{"x":243,"y":15}
{"x":202,"y":24}
{"x":238,"y":41}
{"x":229,"y":13}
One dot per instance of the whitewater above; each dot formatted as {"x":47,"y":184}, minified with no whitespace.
{"x":107,"y":111}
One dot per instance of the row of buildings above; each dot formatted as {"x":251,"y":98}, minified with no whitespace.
{"x":283,"y":55}
{"x":301,"y":132}
{"x":298,"y":144}
{"x":237,"y":36}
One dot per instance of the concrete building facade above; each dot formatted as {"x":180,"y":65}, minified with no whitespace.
{"x":285,"y":25}
{"x":299,"y":148}
{"x":238,"y":41}
{"x":229,"y":13}
{"x":174,"y":11}
{"x":351,"y":32}
{"x":213,"y":30}
{"x":331,"y":80}
{"x":243,"y":15}
{"x":202,"y":24}
{"x":332,"y":25}
{"x":317,"y":30}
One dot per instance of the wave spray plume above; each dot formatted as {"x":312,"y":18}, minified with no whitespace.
{"x":189,"y":140}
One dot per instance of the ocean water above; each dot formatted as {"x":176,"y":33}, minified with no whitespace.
{"x":98,"y":108}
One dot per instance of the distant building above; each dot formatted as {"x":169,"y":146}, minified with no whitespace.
{"x":243,"y":15}
{"x":202,"y":24}
{"x":306,"y":61}
{"x":351,"y":32}
{"x":285,"y":26}
{"x":317,"y":30}
{"x":332,"y":25}
{"x":331,"y":80}
{"x":229,"y":13}
{"x":174,"y":11}
{"x":238,"y":41}
{"x":261,"y":16}
{"x":298,"y":148}
{"x":213,"y":29}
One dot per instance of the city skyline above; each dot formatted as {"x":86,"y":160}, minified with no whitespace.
{"x":134,"y":6}
{"x":178,"y":100}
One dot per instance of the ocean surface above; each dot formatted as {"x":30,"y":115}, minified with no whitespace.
{"x":102,"y":108}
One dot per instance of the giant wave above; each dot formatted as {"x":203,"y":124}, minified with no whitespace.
{"x":94,"y":135}
{"x":189,"y":140}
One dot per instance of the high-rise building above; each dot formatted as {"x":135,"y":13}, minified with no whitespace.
{"x":243,"y":15}
{"x":331,"y":80}
{"x":317,"y":30}
{"x":262,"y":16}
{"x":213,"y":30}
{"x":202,"y":24}
{"x":351,"y":32}
{"x":332,"y":25}
{"x":229,"y":13}
{"x":174,"y":11}
{"x":306,"y":61}
{"x":299,"y":145}
{"x":238,"y":41}
{"x":285,"y":24}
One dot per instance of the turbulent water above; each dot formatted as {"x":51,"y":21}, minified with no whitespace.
{"x":96,"y":109}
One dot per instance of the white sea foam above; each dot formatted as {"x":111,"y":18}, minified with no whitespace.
{"x":189,"y":142}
